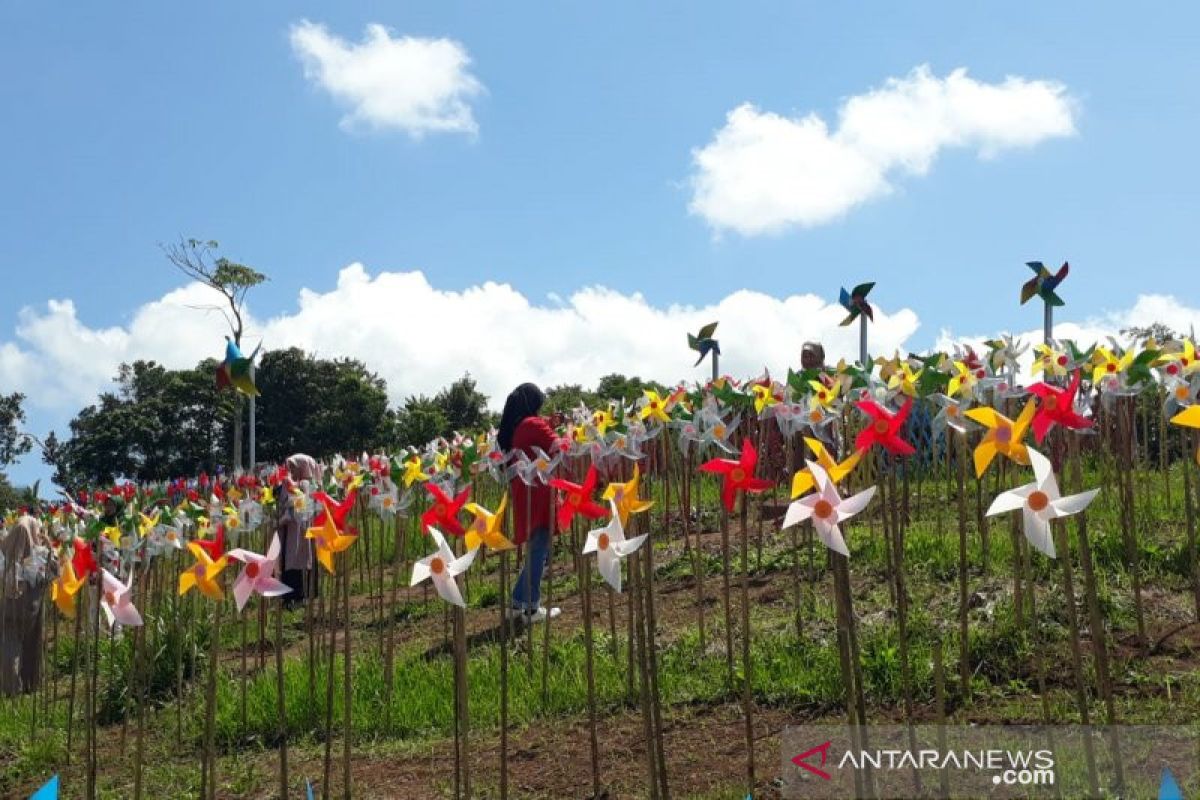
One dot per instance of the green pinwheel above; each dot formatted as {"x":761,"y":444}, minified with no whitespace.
{"x":855,"y":302}
{"x":1043,"y":283}
{"x":704,"y":343}
{"x":235,"y":369}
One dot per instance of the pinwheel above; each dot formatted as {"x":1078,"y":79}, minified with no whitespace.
{"x":737,"y":476}
{"x":485,"y":528}
{"x":1180,"y":394}
{"x":329,"y":540}
{"x":803,"y":481}
{"x":624,"y":497}
{"x":64,"y":588}
{"x":83,"y":560}
{"x":904,"y":381}
{"x":610,"y":546}
{"x":704,"y":343}
{"x":413,"y":471}
{"x":1049,"y":361}
{"x":654,"y":408}
{"x":147,"y":522}
{"x":964,"y":378}
{"x":790,"y":417}
{"x":855,"y":302}
{"x":258,"y":574}
{"x":542,"y":466}
{"x":117,"y":601}
{"x":235,"y":369}
{"x":443,"y":568}
{"x":1189,"y":418}
{"x":602,"y":420}
{"x":951,"y":415}
{"x":1108,"y":368}
{"x":1005,"y":353}
{"x":386,"y":500}
{"x":715,"y":431}
{"x":1056,"y":406}
{"x":1043,"y":283}
{"x":49,"y":790}
{"x":214,"y":547}
{"x":884,"y":428}
{"x":825,"y":397}
{"x":251,"y":514}
{"x":826,"y":508}
{"x":629,"y":445}
{"x":444,"y":510}
{"x":1181,"y":363}
{"x":764,"y":396}
{"x":203,"y":574}
{"x":1041,"y":503}
{"x":577,"y":499}
{"x":1004,"y":436}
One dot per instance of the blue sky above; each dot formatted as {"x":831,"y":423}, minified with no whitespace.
{"x":131,"y":125}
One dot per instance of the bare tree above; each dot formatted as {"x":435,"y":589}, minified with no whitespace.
{"x":198,"y":259}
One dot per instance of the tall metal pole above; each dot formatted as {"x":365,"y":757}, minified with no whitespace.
{"x":862,"y":340}
{"x":716,"y":369}
{"x":253,"y":426}
{"x":1048,"y":324}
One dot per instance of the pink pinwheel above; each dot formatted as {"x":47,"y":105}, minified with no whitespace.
{"x":117,"y":601}
{"x":258,"y":574}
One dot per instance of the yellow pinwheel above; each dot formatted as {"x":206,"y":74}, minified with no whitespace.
{"x":64,"y":589}
{"x":905,"y":380}
{"x":625,"y":497}
{"x":1049,"y":361}
{"x":412,"y":471}
{"x":1107,"y":365}
{"x":602,"y":420}
{"x":485,"y":528}
{"x":655,"y":407}
{"x":203,"y":574}
{"x":147,"y":523}
{"x":962,"y":379}
{"x":803,"y":481}
{"x":266,"y":497}
{"x":1004,"y":436}
{"x":329,"y":540}
{"x":231,"y":519}
{"x":764,"y":397}
{"x":1189,"y":418}
{"x":825,"y":396}
{"x":1181,"y":363}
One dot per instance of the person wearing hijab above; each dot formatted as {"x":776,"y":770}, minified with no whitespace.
{"x":21,"y":596}
{"x":295,"y":547}
{"x":533,"y":506}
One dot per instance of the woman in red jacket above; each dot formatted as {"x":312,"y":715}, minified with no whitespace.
{"x":533,"y":506}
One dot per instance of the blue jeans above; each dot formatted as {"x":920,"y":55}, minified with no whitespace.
{"x":528,"y":589}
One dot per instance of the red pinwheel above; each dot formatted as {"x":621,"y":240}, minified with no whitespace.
{"x":443,"y":514}
{"x":739,"y":475}
{"x":214,"y":547}
{"x":578,"y":499}
{"x":1057,"y":405}
{"x":340,"y":510}
{"x":84,"y":560}
{"x":884,"y":429}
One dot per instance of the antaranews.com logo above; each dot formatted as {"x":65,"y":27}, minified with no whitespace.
{"x":985,"y":761}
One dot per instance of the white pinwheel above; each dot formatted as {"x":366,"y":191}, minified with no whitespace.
{"x":443,"y":568}
{"x":1041,"y":503}
{"x":826,"y":508}
{"x":610,"y":546}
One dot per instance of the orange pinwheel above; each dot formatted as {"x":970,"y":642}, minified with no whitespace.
{"x":329,"y":540}
{"x":1004,"y":436}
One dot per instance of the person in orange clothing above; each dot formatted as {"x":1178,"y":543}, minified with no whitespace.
{"x":521,"y":428}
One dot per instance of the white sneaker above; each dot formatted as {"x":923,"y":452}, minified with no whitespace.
{"x":533,"y":617}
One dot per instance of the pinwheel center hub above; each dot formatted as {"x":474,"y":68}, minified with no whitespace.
{"x":1038,"y":500}
{"x":815,"y":416}
{"x":480,"y":525}
{"x":602,"y":542}
{"x":737,"y":474}
{"x":1181,"y":392}
{"x":1111,"y":367}
{"x":951,"y":411}
{"x":437,"y":566}
{"x":1062,"y":361}
{"x":719,"y":431}
{"x":980,"y":374}
{"x":252,"y":570}
{"x":198,"y":570}
{"x":1051,"y":403}
{"x":1003,"y":434}
{"x":881,"y":426}
{"x":110,"y":598}
{"x":823,"y":509}
{"x":576,"y":499}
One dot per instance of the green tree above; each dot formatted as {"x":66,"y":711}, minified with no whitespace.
{"x":198,"y":260}
{"x":13,"y":442}
{"x":565,"y":397}
{"x":618,"y":387}
{"x":419,"y":421}
{"x":463,"y":406}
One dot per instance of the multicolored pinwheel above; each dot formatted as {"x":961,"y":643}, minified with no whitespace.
{"x":329,"y":540}
{"x":1043,"y":283}
{"x":855,"y":302}
{"x":704,"y":343}
{"x":235,"y":369}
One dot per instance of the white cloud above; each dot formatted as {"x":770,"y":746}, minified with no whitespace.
{"x":416,"y":85}
{"x":764,"y":172}
{"x":420,"y":337}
